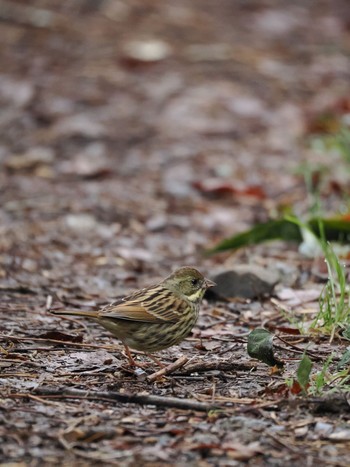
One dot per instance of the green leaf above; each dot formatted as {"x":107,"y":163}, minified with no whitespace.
{"x":289,"y":229}
{"x":303,"y":372}
{"x":280,"y":229}
{"x":260,"y":346}
{"x":335,"y":229}
{"x":345,"y":360}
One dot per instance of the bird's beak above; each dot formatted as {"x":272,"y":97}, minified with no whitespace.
{"x":208,"y":283}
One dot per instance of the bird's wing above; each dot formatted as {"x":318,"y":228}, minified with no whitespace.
{"x":156,"y":304}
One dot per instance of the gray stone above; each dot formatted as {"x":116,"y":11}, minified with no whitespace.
{"x":244,"y":281}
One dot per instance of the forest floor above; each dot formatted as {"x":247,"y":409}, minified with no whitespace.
{"x":134,"y":136}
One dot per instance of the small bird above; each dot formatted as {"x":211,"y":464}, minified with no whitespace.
{"x":156,"y":317}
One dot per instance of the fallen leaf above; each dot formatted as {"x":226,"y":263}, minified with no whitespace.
{"x":61,"y":336}
{"x":217,"y":188}
{"x":260,"y":346}
{"x":304,"y":371}
{"x":293,"y":297}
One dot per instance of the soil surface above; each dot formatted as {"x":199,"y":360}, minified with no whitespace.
{"x":134,"y":136}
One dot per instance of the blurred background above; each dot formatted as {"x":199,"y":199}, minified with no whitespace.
{"x":136,"y":134}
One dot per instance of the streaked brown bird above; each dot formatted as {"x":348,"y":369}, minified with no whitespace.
{"x":156,"y":317}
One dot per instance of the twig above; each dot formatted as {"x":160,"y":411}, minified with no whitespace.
{"x":21,"y":289}
{"x":222,"y":352}
{"x":22,"y":362}
{"x":296,"y":349}
{"x":219,"y":365}
{"x":41,"y":400}
{"x":36,"y":349}
{"x":57,"y":341}
{"x":18,"y":375}
{"x":180,"y":362}
{"x":143,"y":399}
{"x":79,"y":322}
{"x":282,"y":443}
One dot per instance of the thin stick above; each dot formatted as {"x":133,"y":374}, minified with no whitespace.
{"x":297,"y":349}
{"x":180,"y":362}
{"x":18,"y":375}
{"x":142,"y":399}
{"x":57,"y":341}
{"x":42,"y":401}
{"x":219,"y":365}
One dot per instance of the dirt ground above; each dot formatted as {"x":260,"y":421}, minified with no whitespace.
{"x":135,"y":135}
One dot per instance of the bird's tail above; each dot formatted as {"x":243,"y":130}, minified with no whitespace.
{"x":88,"y":314}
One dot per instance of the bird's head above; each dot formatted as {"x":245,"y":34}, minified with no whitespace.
{"x":189,"y":283}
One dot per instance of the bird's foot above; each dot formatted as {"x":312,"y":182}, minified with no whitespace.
{"x":133,"y":363}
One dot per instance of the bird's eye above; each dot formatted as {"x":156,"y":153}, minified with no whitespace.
{"x":194,"y":282}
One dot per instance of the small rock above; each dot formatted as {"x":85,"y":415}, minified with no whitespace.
{"x":30,"y":159}
{"x":140,"y":373}
{"x":83,"y":125}
{"x":89,"y":162}
{"x":151,"y":50}
{"x":301,"y":431}
{"x":29,"y":265}
{"x":14,"y":92}
{"x":244,"y":281}
{"x":341,"y":435}
{"x":289,"y":273}
{"x":156,"y":223}
{"x":80,"y":222}
{"x":323,"y":428}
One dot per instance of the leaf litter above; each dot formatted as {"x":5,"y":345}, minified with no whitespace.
{"x":136,"y":136}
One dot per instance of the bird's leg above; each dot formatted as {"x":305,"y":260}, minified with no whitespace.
{"x":131,"y":359}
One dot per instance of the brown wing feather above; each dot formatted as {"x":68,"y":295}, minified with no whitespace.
{"x":155,"y":304}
